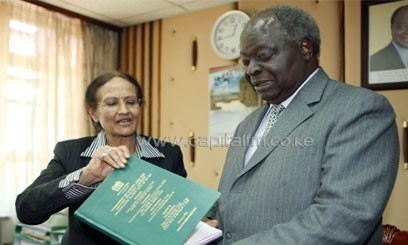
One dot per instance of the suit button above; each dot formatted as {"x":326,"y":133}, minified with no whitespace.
{"x":228,"y":235}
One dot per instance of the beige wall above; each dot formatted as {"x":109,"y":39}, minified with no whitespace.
{"x":185,"y":93}
{"x":185,"y":97}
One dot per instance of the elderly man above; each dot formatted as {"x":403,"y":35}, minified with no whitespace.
{"x":323,"y":155}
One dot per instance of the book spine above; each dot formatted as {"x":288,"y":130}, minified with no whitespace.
{"x":103,"y":229}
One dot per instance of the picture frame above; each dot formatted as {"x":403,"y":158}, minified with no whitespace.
{"x":382,"y":69}
{"x":232,"y":98}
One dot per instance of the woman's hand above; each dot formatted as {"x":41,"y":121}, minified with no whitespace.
{"x":103,"y":162}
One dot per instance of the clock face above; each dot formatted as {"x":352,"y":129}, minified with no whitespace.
{"x":226,"y":33}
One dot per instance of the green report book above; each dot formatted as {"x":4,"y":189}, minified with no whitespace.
{"x":145,"y":204}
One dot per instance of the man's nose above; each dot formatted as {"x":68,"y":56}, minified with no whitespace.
{"x":253,"y":69}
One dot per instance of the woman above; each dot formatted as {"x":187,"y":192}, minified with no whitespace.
{"x":114,"y":102}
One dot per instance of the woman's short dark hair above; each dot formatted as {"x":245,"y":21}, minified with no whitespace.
{"x":91,"y":99}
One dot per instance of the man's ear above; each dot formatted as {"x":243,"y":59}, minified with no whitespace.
{"x":306,"y":48}
{"x":92,"y":113}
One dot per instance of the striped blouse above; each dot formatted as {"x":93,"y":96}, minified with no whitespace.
{"x":69,"y":184}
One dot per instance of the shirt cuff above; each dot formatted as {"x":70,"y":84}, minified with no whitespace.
{"x":72,"y":190}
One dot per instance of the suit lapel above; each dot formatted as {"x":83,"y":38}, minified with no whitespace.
{"x":292,"y":117}
{"x":242,"y":139}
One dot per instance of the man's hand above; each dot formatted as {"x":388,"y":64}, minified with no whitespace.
{"x":212,"y":222}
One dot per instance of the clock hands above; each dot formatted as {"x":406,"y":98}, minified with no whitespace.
{"x":225,"y":34}
{"x":232,"y":34}
{"x":235,"y":29}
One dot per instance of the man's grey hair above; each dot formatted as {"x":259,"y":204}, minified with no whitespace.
{"x":295,"y":24}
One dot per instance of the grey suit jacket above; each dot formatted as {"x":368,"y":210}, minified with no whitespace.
{"x":323,"y":176}
{"x":386,"y":59}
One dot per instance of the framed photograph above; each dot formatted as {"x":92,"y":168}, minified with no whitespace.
{"x":384,"y":44}
{"x":232,"y":98}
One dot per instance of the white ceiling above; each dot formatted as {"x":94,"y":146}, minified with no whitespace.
{"x":130,"y":12}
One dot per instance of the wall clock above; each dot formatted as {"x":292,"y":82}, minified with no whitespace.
{"x":226,"y":32}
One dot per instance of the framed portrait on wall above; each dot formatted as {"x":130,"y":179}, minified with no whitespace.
{"x":232,"y":98}
{"x":384,"y":44}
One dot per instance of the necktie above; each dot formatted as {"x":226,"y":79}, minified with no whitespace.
{"x":274,"y":113}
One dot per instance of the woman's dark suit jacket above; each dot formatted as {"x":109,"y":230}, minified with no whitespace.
{"x":43,"y":197}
